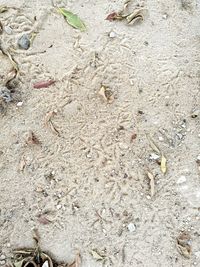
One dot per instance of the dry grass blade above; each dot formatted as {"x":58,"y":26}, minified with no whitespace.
{"x":183,"y":244}
{"x":153,"y":145}
{"x":152,"y":183}
{"x":163,"y":164}
{"x":22,"y":164}
{"x":49,"y":123}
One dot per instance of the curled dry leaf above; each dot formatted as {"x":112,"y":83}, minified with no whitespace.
{"x":163,"y":164}
{"x":43,"y":220}
{"x":3,"y":9}
{"x":152,"y":182}
{"x":43,"y":84}
{"x":183,"y":244}
{"x":134,"y":16}
{"x":114,"y":16}
{"x":32,"y":139}
{"x":106,"y":94}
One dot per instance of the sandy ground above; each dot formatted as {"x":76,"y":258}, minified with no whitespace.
{"x":91,"y":180}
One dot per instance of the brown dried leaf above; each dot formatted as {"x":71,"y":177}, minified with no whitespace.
{"x":152,"y":183}
{"x":183,"y":244}
{"x":114,"y":16}
{"x":163,"y":164}
{"x":32,"y":139}
{"x":77,"y":262}
{"x":106,"y":94}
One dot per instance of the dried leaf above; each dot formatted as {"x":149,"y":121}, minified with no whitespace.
{"x":183,"y":244}
{"x":43,"y":220}
{"x":32,"y":139}
{"x":96,"y":255}
{"x":163,"y":164}
{"x":152,"y":182}
{"x":114,"y":16}
{"x":107,"y":94}
{"x":77,"y":262}
{"x":43,"y":84}
{"x":3,"y":9}
{"x":72,"y":19}
{"x":49,"y":123}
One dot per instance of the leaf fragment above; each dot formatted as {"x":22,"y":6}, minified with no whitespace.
{"x":106,"y":94}
{"x":183,"y":244}
{"x":32,"y":139}
{"x":43,"y":220}
{"x":153,"y":145}
{"x":3,"y":9}
{"x":163,"y":164}
{"x":22,"y":164}
{"x":96,"y":255}
{"x":152,"y":183}
{"x":72,"y":19}
{"x":49,"y":123}
{"x":114,"y":16}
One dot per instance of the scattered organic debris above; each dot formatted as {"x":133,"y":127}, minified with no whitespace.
{"x":3,"y":9}
{"x":183,"y":244}
{"x":107,"y":94}
{"x":32,"y":139}
{"x":97,"y":256}
{"x":35,"y":257}
{"x":163,"y":163}
{"x":133,"y":137}
{"x":195,"y":114}
{"x":10,"y":81}
{"x":130,"y":17}
{"x":152,"y":182}
{"x":24,"y":42}
{"x":43,"y":220}
{"x":1,"y":28}
{"x":22,"y":164}
{"x":72,"y":19}
{"x":43,"y":84}
{"x":77,"y":262}
{"x":14,"y":64}
{"x":49,"y":123}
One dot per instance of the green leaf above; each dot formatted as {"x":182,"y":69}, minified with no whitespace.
{"x":73,"y":19}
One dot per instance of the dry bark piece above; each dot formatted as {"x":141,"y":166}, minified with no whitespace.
{"x":32,"y":139}
{"x":183,"y":244}
{"x":43,"y":84}
{"x":107,"y":94}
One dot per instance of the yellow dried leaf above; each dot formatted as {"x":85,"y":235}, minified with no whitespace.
{"x":163,"y":164}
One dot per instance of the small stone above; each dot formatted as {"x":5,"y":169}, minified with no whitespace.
{"x":131,"y":227}
{"x":2,"y":263}
{"x":5,"y":94}
{"x":59,"y":206}
{"x":182,"y":179}
{"x":165,"y":16}
{"x":8,"y":245}
{"x":8,"y":30}
{"x":2,"y":257}
{"x":154,"y":156}
{"x":19,"y":104}
{"x":198,"y":158}
{"x":112,"y":34}
{"x":160,"y":138}
{"x":24,"y":42}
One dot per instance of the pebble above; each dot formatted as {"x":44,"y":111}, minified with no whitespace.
{"x":5,"y":94}
{"x":2,"y":257}
{"x":24,"y":42}
{"x":19,"y":104}
{"x":112,"y":34}
{"x":59,"y":206}
{"x":154,"y":156}
{"x":8,"y":30}
{"x":131,"y":227}
{"x":182,"y":179}
{"x":2,"y":263}
{"x":198,"y":157}
{"x":8,"y":245}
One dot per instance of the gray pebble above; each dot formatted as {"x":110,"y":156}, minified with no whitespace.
{"x":5,"y":94}
{"x":2,"y":262}
{"x":24,"y":42}
{"x":2,"y":257}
